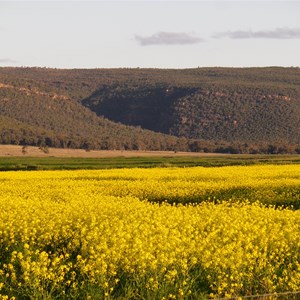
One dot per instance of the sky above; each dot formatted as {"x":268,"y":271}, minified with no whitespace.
{"x":149,"y":34}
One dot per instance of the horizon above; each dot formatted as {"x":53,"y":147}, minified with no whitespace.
{"x":149,"y":68}
{"x":149,"y":34}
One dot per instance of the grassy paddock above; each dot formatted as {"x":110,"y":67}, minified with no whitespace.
{"x":69,"y":163}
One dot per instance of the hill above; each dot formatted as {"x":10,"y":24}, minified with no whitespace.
{"x":210,"y":109}
{"x":32,"y":112}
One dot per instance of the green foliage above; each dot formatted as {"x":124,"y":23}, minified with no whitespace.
{"x":226,"y":110}
{"x":56,"y":163}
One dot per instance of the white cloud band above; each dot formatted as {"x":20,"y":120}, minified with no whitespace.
{"x":7,"y":61}
{"x":278,"y":33}
{"x":168,"y":38}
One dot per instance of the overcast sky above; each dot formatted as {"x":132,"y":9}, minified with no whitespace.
{"x":156,"y":34}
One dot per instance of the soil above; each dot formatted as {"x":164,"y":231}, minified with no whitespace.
{"x":16,"y":150}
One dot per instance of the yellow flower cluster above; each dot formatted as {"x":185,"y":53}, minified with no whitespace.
{"x":94,"y":235}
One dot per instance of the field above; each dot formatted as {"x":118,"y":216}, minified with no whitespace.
{"x":150,"y":233}
{"x":12,"y":159}
{"x":31,"y":151}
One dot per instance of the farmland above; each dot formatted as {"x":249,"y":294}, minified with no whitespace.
{"x":13,"y":158}
{"x":155,"y":233}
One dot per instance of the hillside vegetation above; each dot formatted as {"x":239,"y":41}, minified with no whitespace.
{"x":205,"y":109}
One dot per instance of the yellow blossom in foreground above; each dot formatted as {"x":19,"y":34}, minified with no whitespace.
{"x":96,"y":235}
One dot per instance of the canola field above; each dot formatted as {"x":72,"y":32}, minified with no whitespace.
{"x":162,"y":233}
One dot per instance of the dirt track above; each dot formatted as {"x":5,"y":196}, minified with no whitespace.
{"x":13,"y":150}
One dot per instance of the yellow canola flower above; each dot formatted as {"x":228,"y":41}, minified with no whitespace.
{"x":83,"y":233}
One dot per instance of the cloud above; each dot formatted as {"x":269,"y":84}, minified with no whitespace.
{"x":168,"y":38}
{"x":278,"y":33}
{"x":7,"y":61}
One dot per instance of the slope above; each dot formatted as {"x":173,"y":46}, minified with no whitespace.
{"x":210,"y":109}
{"x":233,"y":105}
{"x":33,"y":116}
